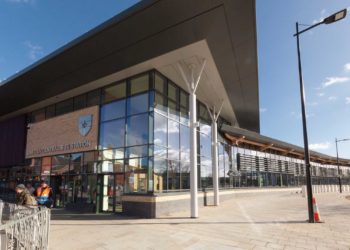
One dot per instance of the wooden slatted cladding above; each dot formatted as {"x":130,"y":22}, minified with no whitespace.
{"x":251,"y":163}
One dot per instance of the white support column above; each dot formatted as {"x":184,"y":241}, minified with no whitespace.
{"x":214,"y":151}
{"x":192,"y":84}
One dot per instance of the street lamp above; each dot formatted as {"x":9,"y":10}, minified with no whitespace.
{"x":331,"y":19}
{"x":336,"y":147}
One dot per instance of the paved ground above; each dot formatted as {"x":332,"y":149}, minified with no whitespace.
{"x":259,"y":221}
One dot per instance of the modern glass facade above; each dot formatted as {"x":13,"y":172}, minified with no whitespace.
{"x":144,"y":149}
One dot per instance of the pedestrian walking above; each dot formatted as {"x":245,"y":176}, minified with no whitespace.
{"x":43,"y":194}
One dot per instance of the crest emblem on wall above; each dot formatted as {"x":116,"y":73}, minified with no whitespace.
{"x":85,"y":124}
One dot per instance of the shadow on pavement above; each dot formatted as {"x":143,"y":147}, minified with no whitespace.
{"x":151,"y":223}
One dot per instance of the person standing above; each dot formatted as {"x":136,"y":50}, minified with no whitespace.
{"x":43,"y":194}
{"x":30,"y":188}
{"x":23,"y":197}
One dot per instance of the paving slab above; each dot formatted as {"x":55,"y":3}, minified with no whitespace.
{"x":275,"y":220}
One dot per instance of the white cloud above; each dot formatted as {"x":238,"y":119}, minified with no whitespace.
{"x":262,"y":110}
{"x":332,"y":98}
{"x":312,"y":103}
{"x":320,"y":146}
{"x":298,"y":115}
{"x":320,"y":94}
{"x":35,"y":51}
{"x":334,"y":80}
{"x":347,"y":67}
{"x":347,"y":100}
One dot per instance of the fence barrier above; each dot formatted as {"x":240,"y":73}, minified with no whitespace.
{"x":316,"y":189}
{"x":24,"y":227}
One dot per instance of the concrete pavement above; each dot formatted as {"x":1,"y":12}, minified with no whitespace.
{"x":252,"y":221}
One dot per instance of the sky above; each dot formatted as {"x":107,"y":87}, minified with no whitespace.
{"x":32,"y":29}
{"x":325,"y":55}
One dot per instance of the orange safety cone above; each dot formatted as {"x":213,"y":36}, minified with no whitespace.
{"x":317,"y":216}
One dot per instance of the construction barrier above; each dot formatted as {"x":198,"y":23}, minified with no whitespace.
{"x":24,"y":227}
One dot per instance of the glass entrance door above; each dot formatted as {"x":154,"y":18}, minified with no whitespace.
{"x":110,"y":191}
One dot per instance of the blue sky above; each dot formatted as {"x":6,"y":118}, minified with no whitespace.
{"x":32,"y":29}
{"x":325,"y":54}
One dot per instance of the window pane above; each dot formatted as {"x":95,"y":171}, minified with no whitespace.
{"x":118,"y":166}
{"x":136,"y":152}
{"x":137,"y":104}
{"x":184,"y":99}
{"x":60,"y":165}
{"x":184,"y":141}
{"x":137,"y":130}
{"x":203,"y":112}
{"x":173,"y":113}
{"x":160,"y":104}
{"x":90,"y":156}
{"x":172,"y":92}
{"x":76,"y":163}
{"x":205,"y":129}
{"x":139,"y":84}
{"x":105,"y":167}
{"x":159,"y":83}
{"x":160,"y":175}
{"x":184,"y":116}
{"x":93,"y":98}
{"x":64,"y":107}
{"x":114,"y":92}
{"x":50,"y":111}
{"x":136,"y":182}
{"x":35,"y":166}
{"x":111,"y":154}
{"x":112,"y":134}
{"x":160,"y":129}
{"x":113,"y":110}
{"x":173,"y":175}
{"x":46,"y":166}
{"x":79,"y":102}
{"x":160,"y":151}
{"x":137,"y":164}
{"x":174,"y":140}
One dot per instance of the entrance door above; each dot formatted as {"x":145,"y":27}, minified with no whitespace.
{"x":110,"y":190}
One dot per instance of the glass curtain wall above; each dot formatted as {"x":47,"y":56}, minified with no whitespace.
{"x":171,"y":133}
{"x":144,"y":147}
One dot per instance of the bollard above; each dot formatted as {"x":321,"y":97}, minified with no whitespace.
{"x":205,"y":200}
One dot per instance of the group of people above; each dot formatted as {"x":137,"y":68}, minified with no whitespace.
{"x":28,"y":196}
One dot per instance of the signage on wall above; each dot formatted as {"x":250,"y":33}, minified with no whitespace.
{"x":85,"y":123}
{"x":73,"y":132}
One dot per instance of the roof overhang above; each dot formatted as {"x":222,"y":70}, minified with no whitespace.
{"x":221,"y":31}
{"x":239,"y":136}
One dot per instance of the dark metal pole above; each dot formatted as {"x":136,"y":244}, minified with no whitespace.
{"x":306,"y":143}
{"x":339,"y":177}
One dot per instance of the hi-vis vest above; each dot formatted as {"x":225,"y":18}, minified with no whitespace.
{"x":43,"y":195}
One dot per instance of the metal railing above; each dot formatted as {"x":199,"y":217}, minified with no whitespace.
{"x":24,"y":227}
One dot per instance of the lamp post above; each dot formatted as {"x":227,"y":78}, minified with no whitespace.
{"x":339,"y":176}
{"x":331,"y":19}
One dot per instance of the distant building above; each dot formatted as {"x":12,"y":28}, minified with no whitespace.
{"x":105,"y":119}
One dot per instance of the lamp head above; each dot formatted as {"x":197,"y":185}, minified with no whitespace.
{"x":335,"y":17}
